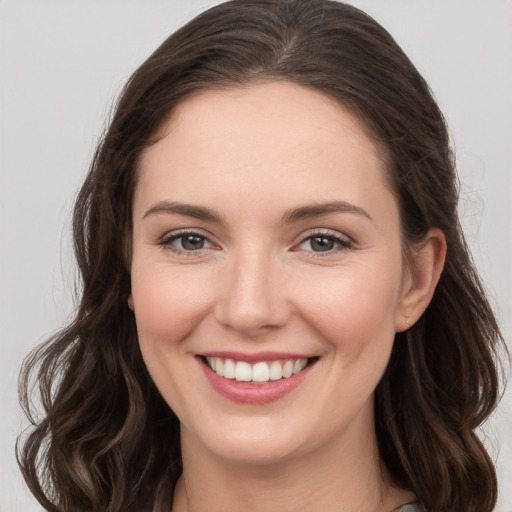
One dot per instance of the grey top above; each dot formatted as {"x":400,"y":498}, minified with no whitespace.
{"x":409,"y":507}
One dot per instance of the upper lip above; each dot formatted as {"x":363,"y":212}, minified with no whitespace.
{"x":254,"y":357}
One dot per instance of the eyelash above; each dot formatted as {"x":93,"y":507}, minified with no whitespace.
{"x":344,"y":244}
{"x":167,"y":241}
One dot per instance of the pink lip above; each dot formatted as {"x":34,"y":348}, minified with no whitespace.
{"x":246,"y":393}
{"x":256,"y":357}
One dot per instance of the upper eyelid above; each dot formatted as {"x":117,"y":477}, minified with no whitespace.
{"x":325,"y":232}
{"x":176,"y":233}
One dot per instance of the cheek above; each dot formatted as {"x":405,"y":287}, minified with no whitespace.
{"x":353,"y":308}
{"x":168,"y":303}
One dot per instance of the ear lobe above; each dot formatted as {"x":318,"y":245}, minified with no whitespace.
{"x":130,"y":302}
{"x":421,"y":279}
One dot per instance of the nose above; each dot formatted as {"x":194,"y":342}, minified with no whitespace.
{"x":252,"y":299}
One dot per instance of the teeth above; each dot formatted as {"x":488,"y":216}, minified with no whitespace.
{"x":259,"y":372}
{"x":219,"y":367}
{"x":211,"y":362}
{"x":276,"y":371}
{"x":229,"y":369}
{"x":288,"y":369}
{"x":243,"y":372}
{"x":297,"y":367}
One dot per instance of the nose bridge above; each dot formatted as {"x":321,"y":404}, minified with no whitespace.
{"x":252,"y":297}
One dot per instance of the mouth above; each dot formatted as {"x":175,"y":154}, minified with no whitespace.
{"x":255,"y":379}
{"x":261,"y":372}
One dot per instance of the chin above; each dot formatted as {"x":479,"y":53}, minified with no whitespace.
{"x":257,"y":443}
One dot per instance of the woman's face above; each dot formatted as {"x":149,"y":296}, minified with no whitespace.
{"x":266,"y":237}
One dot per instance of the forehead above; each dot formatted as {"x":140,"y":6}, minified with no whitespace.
{"x":259,"y":143}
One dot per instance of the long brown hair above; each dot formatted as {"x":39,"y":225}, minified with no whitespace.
{"x":107,"y":441}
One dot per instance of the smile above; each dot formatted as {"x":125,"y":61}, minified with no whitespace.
{"x":255,"y":379}
{"x":260,"y":372}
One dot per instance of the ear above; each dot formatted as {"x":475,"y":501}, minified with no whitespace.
{"x":130,"y":302}
{"x":420,"y":279}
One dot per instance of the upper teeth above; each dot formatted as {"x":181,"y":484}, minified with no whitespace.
{"x":260,"y":372}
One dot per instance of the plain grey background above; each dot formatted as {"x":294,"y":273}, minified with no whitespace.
{"x":62,"y":62}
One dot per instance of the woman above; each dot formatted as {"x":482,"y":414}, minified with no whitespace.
{"x":279,"y":311}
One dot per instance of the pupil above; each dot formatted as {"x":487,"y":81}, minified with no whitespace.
{"x":192,"y":242}
{"x":322,"y":243}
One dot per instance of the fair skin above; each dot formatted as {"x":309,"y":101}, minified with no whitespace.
{"x":264,"y":230}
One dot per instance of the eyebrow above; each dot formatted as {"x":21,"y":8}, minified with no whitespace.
{"x":319,"y":209}
{"x":189,"y":210}
{"x":290,"y":216}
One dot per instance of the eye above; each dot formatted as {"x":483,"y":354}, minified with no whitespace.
{"x":324,"y":243}
{"x":188,"y":241}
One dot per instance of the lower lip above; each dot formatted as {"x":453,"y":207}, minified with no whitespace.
{"x":246,"y":393}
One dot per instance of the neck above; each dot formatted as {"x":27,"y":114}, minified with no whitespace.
{"x":346,"y":475}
